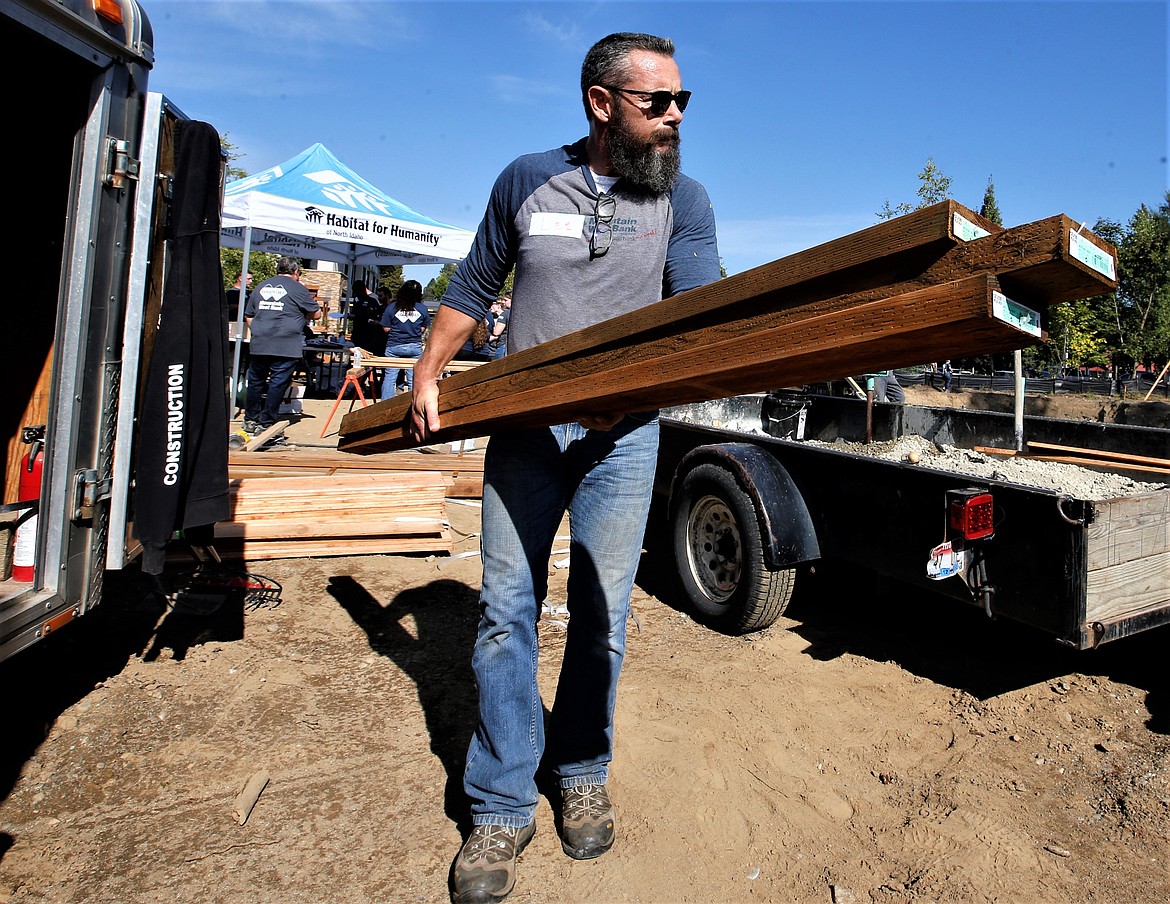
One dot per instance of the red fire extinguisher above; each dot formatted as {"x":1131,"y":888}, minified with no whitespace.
{"x":31,"y":468}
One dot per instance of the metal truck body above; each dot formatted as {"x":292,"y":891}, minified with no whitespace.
{"x":1086,"y":571}
{"x":92,"y":202}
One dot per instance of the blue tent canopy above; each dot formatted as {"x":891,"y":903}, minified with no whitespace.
{"x":314,"y":206}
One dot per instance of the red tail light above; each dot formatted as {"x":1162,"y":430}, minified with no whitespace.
{"x":972,"y":513}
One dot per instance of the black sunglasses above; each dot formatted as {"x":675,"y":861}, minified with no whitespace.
{"x":603,"y":210}
{"x":660,"y":101}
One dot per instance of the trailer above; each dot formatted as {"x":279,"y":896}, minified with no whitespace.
{"x":752,"y":491}
{"x":93,"y":185}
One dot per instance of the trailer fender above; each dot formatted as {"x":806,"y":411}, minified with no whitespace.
{"x":784,"y":520}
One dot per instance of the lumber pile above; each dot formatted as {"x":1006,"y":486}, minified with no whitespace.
{"x":462,"y":471}
{"x":937,"y":283}
{"x":352,"y":514}
{"x":370,"y":360}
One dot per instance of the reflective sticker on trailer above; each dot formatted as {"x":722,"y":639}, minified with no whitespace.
{"x":945,"y":561}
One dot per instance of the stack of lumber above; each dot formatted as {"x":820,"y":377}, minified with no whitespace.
{"x":462,"y":471}
{"x":353,"y":514}
{"x":369,"y":360}
{"x":938,"y":283}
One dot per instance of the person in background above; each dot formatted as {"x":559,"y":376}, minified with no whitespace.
{"x":888,"y":389}
{"x":498,"y":343}
{"x":595,"y":229}
{"x":385,"y":299}
{"x":365,"y":314}
{"x":947,"y":376}
{"x":404,"y":324}
{"x":233,"y":298}
{"x":277,"y":312}
{"x":477,"y":347}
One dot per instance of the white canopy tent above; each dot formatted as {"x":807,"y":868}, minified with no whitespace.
{"x":314,"y":206}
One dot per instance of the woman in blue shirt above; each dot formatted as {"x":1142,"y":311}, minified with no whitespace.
{"x":405,"y":322}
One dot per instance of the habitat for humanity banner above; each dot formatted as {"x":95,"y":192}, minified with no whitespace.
{"x":314,"y":206}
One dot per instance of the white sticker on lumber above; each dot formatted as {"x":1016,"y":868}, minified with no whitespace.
{"x":966,"y":231}
{"x":1090,"y":255}
{"x":1016,"y":314}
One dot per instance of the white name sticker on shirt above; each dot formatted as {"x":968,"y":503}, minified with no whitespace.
{"x":566,"y":224}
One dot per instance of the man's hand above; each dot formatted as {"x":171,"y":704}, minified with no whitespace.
{"x":449,"y":330}
{"x":424,"y":409}
{"x":600,"y":421}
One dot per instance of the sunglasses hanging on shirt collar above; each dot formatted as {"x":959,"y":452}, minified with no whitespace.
{"x":604,"y":209}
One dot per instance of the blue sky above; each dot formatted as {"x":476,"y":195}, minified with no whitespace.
{"x":806,"y":116}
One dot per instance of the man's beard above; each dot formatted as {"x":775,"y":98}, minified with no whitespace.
{"x":650,"y":166}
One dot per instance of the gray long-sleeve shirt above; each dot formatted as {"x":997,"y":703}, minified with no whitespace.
{"x":540,"y":218}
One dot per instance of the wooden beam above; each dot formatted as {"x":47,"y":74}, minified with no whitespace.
{"x":633,"y":362}
{"x":369,"y":511}
{"x":332,"y":530}
{"x":234,"y":548}
{"x":1036,"y":248}
{"x":888,"y":252}
{"x":1163,"y":463}
{"x":410,"y":460}
{"x":264,"y":436}
{"x":821,"y":346}
{"x":462,"y":471}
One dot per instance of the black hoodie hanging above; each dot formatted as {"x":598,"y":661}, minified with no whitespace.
{"x":181,"y":479}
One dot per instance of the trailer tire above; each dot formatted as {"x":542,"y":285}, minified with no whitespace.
{"x":719,"y":554}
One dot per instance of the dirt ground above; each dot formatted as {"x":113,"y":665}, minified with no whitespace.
{"x":874,"y":745}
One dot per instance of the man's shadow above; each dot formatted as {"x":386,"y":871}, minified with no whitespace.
{"x":438,"y":660}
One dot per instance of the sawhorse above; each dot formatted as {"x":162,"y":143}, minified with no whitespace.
{"x":353,"y":377}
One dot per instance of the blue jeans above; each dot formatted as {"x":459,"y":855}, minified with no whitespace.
{"x":267,"y":373}
{"x":405,"y":350}
{"x":604,"y":480}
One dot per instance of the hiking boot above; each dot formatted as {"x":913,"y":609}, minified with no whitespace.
{"x":253,"y":427}
{"x":485,"y":869}
{"x":587,"y":821}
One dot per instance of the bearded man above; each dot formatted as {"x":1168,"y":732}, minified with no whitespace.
{"x":594,"y":229}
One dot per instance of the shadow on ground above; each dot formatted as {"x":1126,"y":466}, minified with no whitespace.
{"x":943,"y":640}
{"x":435,"y":655}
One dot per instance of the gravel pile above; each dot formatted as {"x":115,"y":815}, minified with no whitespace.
{"x":1070,"y":480}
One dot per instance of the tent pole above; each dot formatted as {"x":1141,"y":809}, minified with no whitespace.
{"x":239,"y":343}
{"x":350,"y":266}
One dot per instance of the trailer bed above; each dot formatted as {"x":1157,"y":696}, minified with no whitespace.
{"x":1085,"y":569}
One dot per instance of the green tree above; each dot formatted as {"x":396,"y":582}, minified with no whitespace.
{"x":233,"y":153}
{"x":437,"y":286}
{"x":989,"y":210}
{"x":262,"y":265}
{"x":391,"y":278}
{"x":1139,"y":311}
{"x":1131,"y":325}
{"x":933,"y":187}
{"x":1076,"y":332}
{"x":231,"y":260}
